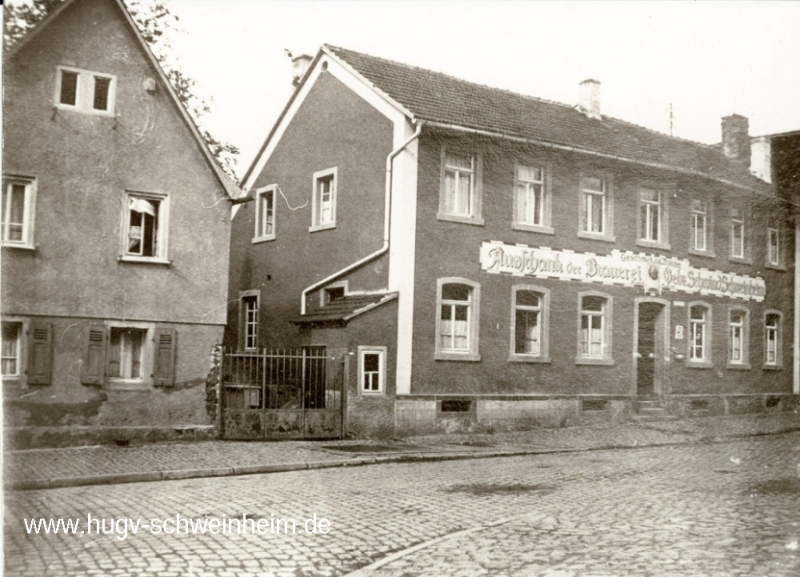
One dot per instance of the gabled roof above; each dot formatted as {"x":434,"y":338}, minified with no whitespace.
{"x":342,"y":309}
{"x":443,"y":100}
{"x":230,"y":187}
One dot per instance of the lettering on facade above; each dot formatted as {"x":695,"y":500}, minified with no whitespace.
{"x":651,"y":272}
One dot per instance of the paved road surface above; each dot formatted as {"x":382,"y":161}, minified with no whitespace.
{"x":729,"y":508}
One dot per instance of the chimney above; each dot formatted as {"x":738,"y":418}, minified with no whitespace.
{"x":299,"y":66}
{"x":589,"y":98}
{"x":735,"y":138}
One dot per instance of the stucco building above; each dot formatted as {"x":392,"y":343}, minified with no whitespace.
{"x":115,"y":238}
{"x":492,"y":260}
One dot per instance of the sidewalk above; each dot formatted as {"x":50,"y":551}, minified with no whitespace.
{"x":66,"y":467}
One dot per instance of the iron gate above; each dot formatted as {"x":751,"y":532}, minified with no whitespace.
{"x":282,"y":394}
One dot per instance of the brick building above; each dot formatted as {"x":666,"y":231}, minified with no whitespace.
{"x":492,"y":260}
{"x":115,"y":237}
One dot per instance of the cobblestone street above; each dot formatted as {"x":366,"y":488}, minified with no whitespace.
{"x":727,"y":508}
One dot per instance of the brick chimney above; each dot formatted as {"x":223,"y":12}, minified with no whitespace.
{"x":589,"y":98}
{"x":736,"y":138}
{"x":299,"y":66}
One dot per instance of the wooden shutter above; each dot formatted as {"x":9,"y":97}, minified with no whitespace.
{"x":40,"y":353}
{"x":164,"y":359}
{"x":93,"y":371}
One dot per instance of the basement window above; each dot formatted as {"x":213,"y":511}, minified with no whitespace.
{"x":594,"y":404}
{"x":456,"y":406}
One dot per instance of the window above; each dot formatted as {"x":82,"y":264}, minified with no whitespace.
{"x":324,"y":200}
{"x":737,"y":233}
{"x":125,"y":353}
{"x":11,"y":349}
{"x":85,"y":91}
{"x":460,"y":193}
{"x":248,"y":306}
{"x":700,"y":228}
{"x":652,"y":218}
{"x":129,"y":355}
{"x":18,"y":212}
{"x":594,"y":328}
{"x":333,"y":291}
{"x":265,"y":214}
{"x":773,"y":321}
{"x":372,"y":369}
{"x":738,"y":338}
{"x":458,"y":301}
{"x":773,"y":247}
{"x":532,"y":199}
{"x":145,"y":237}
{"x":529,"y":326}
{"x":596,"y":208}
{"x":699,"y":335}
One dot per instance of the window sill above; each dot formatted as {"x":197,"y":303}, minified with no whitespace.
{"x":319,"y":227}
{"x":469,"y":357}
{"x":653,"y":244}
{"x":772,"y":367}
{"x":474,"y":220}
{"x":533,"y":228}
{"x":372,"y":394}
{"x":699,"y":365}
{"x":596,"y":236}
{"x":590,"y":361}
{"x":144,"y":260}
{"x":740,"y":259}
{"x":21,"y":245}
{"x":778,"y":267}
{"x":113,"y":384}
{"x":705,"y":253}
{"x":260,"y":239}
{"x":738,"y":366}
{"x":529,"y":359}
{"x":91,"y":111}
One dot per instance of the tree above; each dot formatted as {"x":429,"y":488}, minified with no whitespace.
{"x":155,"y":23}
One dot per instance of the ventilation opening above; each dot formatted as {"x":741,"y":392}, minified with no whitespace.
{"x":772,"y":402}
{"x":456,"y":406}
{"x":699,"y":405}
{"x":594,"y":404}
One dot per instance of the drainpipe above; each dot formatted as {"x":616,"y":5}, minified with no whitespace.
{"x":796,"y":311}
{"x":386,"y":223}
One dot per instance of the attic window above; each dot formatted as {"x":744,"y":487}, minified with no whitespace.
{"x":85,"y":91}
{"x":332,"y":292}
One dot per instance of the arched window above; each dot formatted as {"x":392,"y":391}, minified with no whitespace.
{"x":699,"y":340}
{"x":458,"y":302}
{"x":594,"y":328}
{"x":529,"y":324}
{"x":738,"y":338}
{"x":773,"y":339}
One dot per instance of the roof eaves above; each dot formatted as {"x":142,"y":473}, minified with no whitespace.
{"x":651,"y":164}
{"x":388,"y":297}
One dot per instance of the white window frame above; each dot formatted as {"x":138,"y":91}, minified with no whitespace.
{"x":738,"y":329}
{"x":543,"y":356}
{"x":647,"y":210}
{"x":146,"y":368}
{"x":84,"y":95}
{"x":474,"y":173}
{"x":28,"y":211}
{"x":262,"y":195}
{"x":324,"y":294}
{"x":707,"y":215}
{"x":22,"y":350}
{"x":162,"y":237}
{"x":606,"y":330}
{"x":774,"y":249}
{"x":473,"y":321}
{"x":248,"y":328}
{"x":329,"y":174}
{"x":705,"y":325}
{"x":777,"y":335}
{"x":586,"y":209}
{"x":737,"y":247}
{"x":381,"y":373}
{"x":527,"y":187}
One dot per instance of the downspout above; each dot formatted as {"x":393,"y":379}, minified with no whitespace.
{"x":386,"y":223}
{"x":796,"y":311}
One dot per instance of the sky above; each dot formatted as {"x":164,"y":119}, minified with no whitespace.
{"x":705,"y":60}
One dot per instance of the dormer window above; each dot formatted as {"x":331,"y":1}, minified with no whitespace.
{"x":85,"y":91}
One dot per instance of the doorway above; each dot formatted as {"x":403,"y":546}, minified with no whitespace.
{"x":651,"y":347}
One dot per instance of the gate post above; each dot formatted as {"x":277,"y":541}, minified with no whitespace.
{"x":345,"y":384}
{"x":220,"y":390}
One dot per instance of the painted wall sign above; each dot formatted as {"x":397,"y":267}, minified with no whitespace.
{"x":651,"y":272}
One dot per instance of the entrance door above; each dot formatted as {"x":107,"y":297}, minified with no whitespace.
{"x":650,"y":348}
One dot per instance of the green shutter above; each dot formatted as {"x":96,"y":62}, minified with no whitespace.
{"x":40,"y":353}
{"x":93,"y":371}
{"x":164,"y":361}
